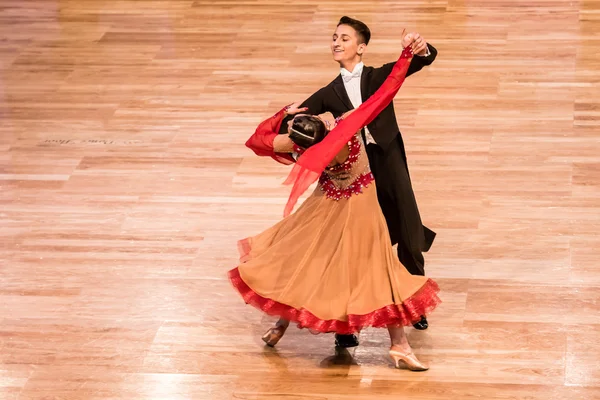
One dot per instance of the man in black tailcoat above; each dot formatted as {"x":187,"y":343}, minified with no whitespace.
{"x":385,"y":147}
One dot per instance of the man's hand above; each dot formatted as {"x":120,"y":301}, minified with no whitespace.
{"x":418,"y":44}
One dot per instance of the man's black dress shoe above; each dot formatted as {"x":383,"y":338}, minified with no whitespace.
{"x":346,"y":341}
{"x":422,"y":324}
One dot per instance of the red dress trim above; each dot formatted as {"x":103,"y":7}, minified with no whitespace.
{"x":356,"y":187}
{"x":335,"y":193}
{"x":406,"y":314}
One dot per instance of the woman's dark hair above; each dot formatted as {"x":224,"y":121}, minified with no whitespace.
{"x":307,"y":130}
{"x":362,"y":30}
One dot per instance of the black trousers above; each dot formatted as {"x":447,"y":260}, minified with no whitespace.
{"x":399,"y":205}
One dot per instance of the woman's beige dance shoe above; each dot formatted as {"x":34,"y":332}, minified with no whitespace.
{"x":409,"y":359}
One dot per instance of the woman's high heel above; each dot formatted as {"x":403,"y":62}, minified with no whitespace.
{"x":409,"y":359}
{"x":273,"y":335}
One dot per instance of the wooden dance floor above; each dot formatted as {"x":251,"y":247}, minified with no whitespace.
{"x":125,"y":185}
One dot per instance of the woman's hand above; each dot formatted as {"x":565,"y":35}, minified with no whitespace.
{"x":406,"y":39}
{"x":293,"y":109}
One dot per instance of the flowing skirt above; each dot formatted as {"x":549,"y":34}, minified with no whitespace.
{"x":331,"y":267}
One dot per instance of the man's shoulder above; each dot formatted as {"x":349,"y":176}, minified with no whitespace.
{"x":333,"y":81}
{"x":328,"y":87}
{"x":382,"y":66}
{"x":368,"y":68}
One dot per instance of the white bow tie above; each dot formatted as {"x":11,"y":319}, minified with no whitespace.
{"x":347,"y":76}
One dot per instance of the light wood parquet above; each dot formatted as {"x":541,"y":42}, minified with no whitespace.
{"x":125,"y":184}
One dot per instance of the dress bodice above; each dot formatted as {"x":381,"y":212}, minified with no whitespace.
{"x":348,"y":178}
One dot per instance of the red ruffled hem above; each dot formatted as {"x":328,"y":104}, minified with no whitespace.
{"x":410,"y":311}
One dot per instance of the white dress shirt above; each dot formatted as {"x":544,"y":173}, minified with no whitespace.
{"x":352,"y":85}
